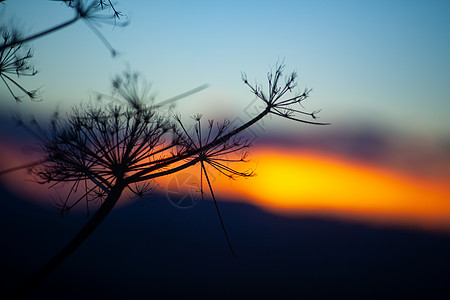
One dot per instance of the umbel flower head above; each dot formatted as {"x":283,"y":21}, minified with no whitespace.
{"x":97,"y":12}
{"x":216,"y":155}
{"x":97,"y":146}
{"x":212,"y":148}
{"x":15,"y":62}
{"x":280,"y":98}
{"x":95,"y":9}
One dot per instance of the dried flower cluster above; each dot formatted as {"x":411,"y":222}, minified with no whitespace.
{"x":15,"y":62}
{"x":101,"y":151}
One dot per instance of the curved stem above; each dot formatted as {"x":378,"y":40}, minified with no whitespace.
{"x":39,"y":34}
{"x":141,"y":175}
{"x":24,"y":166}
{"x":81,"y":236}
{"x":218,"y":211}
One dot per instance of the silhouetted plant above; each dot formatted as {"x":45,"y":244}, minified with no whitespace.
{"x":103,"y":151}
{"x":214,"y":155}
{"x":93,"y":12}
{"x":274,"y":101}
{"x":15,"y":62}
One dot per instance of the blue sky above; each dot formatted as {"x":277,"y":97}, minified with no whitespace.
{"x":381,"y":64}
{"x":382,"y":67}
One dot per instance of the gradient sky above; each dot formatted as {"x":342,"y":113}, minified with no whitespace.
{"x":382,"y":63}
{"x":379,"y":71}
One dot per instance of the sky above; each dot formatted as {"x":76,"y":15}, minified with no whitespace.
{"x":383,"y":63}
{"x":378,"y":71}
{"x":360,"y":207}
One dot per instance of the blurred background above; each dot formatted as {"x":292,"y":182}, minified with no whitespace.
{"x":360,"y":207}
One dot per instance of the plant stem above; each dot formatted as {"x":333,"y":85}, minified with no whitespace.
{"x":70,"y":247}
{"x":110,"y":202}
{"x":141,"y":176}
{"x":39,"y":34}
{"x":24,"y":166}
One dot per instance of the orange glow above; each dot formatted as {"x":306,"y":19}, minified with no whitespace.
{"x":310,"y":183}
{"x":20,"y":182}
{"x":301,"y":182}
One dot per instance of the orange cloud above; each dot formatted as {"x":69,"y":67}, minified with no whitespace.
{"x":301,"y":182}
{"x":21,"y":182}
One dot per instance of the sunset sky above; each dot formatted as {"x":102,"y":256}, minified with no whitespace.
{"x":383,"y":63}
{"x":356,"y":209}
{"x":379,"y":72}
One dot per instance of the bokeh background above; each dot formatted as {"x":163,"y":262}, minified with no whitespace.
{"x":357,"y":208}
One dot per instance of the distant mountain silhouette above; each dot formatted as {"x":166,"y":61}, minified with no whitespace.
{"x":158,"y":250}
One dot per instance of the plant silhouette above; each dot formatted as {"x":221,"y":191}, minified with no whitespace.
{"x":92,"y":12}
{"x":103,"y":151}
{"x":15,"y":61}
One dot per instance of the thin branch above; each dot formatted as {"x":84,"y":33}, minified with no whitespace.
{"x":40,"y":34}
{"x":24,"y":166}
{"x":217,"y":209}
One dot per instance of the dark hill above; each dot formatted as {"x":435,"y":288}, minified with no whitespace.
{"x":156,"y":251}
